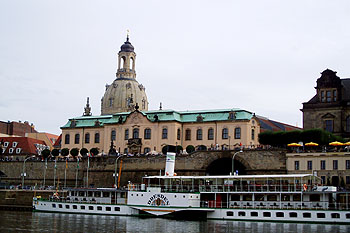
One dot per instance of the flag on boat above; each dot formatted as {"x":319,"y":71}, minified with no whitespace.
{"x":66,"y":163}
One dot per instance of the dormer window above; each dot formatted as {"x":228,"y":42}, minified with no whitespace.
{"x":6,"y":144}
{"x":11,"y":150}
{"x":334,"y":95}
{"x":199,"y":118}
{"x":14,"y":144}
{"x":323,"y":98}
{"x":329,"y":96}
{"x":18,"y":150}
{"x":232,"y":116}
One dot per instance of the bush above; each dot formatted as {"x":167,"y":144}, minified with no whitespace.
{"x":46,"y":153}
{"x":202,"y":147}
{"x":74,"y":152}
{"x":55,"y":152}
{"x":179,"y":149}
{"x":94,"y":151}
{"x":190,"y":149}
{"x":84,"y":152}
{"x":65,"y":152}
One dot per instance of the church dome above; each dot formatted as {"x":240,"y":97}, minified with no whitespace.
{"x":125,"y":92}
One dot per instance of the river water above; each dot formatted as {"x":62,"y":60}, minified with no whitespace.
{"x":14,"y":221}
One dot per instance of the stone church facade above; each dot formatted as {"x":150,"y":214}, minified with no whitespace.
{"x":329,"y":109}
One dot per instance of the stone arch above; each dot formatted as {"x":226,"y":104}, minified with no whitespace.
{"x":223,"y":166}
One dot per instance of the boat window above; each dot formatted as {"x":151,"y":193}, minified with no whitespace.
{"x":89,"y":194}
{"x":175,"y":196}
{"x":247,"y":197}
{"x":306,"y":215}
{"x":335,"y":215}
{"x":296,"y":197}
{"x":105,"y":194}
{"x":108,"y":208}
{"x":259,"y":197}
{"x":116,"y":208}
{"x":99,"y":207}
{"x":229,"y":213}
{"x":235,"y":198}
{"x":241,"y":213}
{"x":75,"y":207}
{"x":314,"y":197}
{"x":347,"y":215}
{"x":280,"y":215}
{"x":254,"y":214}
{"x":67,"y":206}
{"x":267,"y":214}
{"x":272,"y":197}
{"x":97,"y":194}
{"x":53,"y":205}
{"x":82,"y":194}
{"x":285,"y":197}
{"x":293,"y":214}
{"x":184,"y":196}
{"x":91,"y":207}
{"x":122,"y":195}
{"x":82,"y":207}
{"x":321,"y":215}
{"x":59,"y":205}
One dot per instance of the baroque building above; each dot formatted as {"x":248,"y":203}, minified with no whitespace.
{"x":126,"y":125}
{"x":329,"y":109}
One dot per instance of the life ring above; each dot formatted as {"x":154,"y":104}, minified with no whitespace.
{"x":305,"y":187}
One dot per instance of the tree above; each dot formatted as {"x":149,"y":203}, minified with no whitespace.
{"x":74,"y":152}
{"x":46,"y":153}
{"x":190,"y":149}
{"x":55,"y":152}
{"x":65,"y":152}
{"x":84,"y":152}
{"x":179,"y":149}
{"x":202,"y":147}
{"x":94,"y":151}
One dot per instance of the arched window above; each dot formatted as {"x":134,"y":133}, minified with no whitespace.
{"x":188,"y":135}
{"x":147,"y":133}
{"x":224,"y":133}
{"x":210,"y":134}
{"x":77,"y":138}
{"x":126,"y":134}
{"x":123,"y":62}
{"x":87,"y":138}
{"x":131,"y":63}
{"x":66,"y":139}
{"x":146,"y":150}
{"x":135,"y":133}
{"x":199,"y":134}
{"x":237,"y":133}
{"x":178,"y":134}
{"x":253,"y":134}
{"x":113,"y":135}
{"x":347,"y":128}
{"x":97,"y":137}
{"x":164,"y":133}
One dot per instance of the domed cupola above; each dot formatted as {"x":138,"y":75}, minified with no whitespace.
{"x":125,"y":92}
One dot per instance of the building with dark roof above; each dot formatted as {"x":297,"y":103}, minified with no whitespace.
{"x":16,"y":148}
{"x":329,"y":109}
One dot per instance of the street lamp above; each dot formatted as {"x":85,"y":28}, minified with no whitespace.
{"x":115,"y":172}
{"x":24,"y":164}
{"x":233,"y":159}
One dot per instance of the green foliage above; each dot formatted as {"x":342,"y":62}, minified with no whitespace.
{"x":164,"y":150}
{"x":94,"y":151}
{"x":84,"y":152}
{"x":74,"y":152}
{"x":55,"y":152}
{"x":202,"y":147}
{"x":46,"y":153}
{"x":65,"y":152}
{"x":179,"y":149}
{"x":282,"y":138}
{"x":190,"y":149}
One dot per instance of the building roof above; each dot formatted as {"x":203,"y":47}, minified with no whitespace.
{"x":162,"y":116}
{"x":28,"y":146}
{"x":271,"y":125}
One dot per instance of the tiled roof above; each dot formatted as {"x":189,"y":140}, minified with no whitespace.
{"x":26,"y":144}
{"x":270,"y":125}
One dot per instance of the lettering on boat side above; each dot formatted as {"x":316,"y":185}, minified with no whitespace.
{"x":158,"y":200}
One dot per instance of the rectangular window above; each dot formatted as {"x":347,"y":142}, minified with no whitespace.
{"x":321,"y":215}
{"x":116,"y":208}
{"x":91,"y":208}
{"x":293,"y":215}
{"x":75,"y":207}
{"x":59,"y":205}
{"x":164,"y":133}
{"x":306,"y":215}
{"x":229,"y":213}
{"x":347,"y":164}
{"x":329,"y":125}
{"x":241,"y":213}
{"x":280,"y":215}
{"x":335,"y":164}
{"x":53,"y":205}
{"x":82,"y":207}
{"x":335,"y":215}
{"x":309,"y":165}
{"x":99,"y":207}
{"x":329,"y":96}
{"x":108,"y":208}
{"x":267,"y":214}
{"x":296,"y":165}
{"x":335,"y":95}
{"x":253,"y":134}
{"x":254,"y":214}
{"x":323,"y":164}
{"x":323,"y":98}
{"x":347,"y":178}
{"x":323,"y":178}
{"x":188,"y":135}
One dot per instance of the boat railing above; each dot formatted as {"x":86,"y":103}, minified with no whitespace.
{"x":274,"y":205}
{"x":230,"y":188}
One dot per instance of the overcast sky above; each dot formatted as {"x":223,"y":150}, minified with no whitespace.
{"x":261,"y":56}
